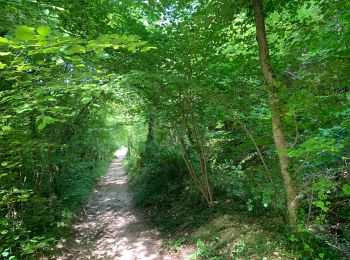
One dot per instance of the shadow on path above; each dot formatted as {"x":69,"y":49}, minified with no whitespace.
{"x":111,"y":228}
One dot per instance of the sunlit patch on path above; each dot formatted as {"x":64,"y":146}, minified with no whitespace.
{"x":111,"y":228}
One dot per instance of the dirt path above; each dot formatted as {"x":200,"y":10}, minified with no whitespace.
{"x":112,"y":228}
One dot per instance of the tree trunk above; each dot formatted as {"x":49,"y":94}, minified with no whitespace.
{"x":203,"y":186}
{"x":192,"y":131}
{"x":150,"y":134}
{"x":276,"y":114}
{"x":201,"y":154}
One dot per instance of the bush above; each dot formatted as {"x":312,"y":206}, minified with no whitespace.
{"x":158,"y":177}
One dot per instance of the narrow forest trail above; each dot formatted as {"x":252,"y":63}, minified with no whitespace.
{"x":111,"y":228}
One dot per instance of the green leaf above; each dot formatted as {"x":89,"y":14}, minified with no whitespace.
{"x":44,"y":31}
{"x":5,"y":253}
{"x":6,"y":128}
{"x":24,"y":33}
{"x":2,"y":65}
{"x":132,"y":48}
{"x":72,"y":49}
{"x":320,"y":204}
{"x":5,"y":53}
{"x":293,"y":238}
{"x":145,"y":49}
{"x":3,"y":40}
{"x":28,"y":250}
{"x":346,"y":189}
{"x":46,"y":121}
{"x":321,"y":255}
{"x":86,"y":100}
{"x":4,"y":232}
{"x":313,"y":146}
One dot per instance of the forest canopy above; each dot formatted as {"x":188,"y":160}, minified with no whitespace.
{"x":226,"y":107}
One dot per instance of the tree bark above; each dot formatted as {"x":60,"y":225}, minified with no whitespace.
{"x":201,"y":154}
{"x":192,"y":131}
{"x":150,"y":134}
{"x":276,"y":114}
{"x":204,"y":189}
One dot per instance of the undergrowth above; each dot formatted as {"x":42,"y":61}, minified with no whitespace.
{"x":229,"y":230}
{"x":31,"y":237}
{"x":62,"y":215}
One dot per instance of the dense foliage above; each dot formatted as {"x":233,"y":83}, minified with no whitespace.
{"x":191,"y":88}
